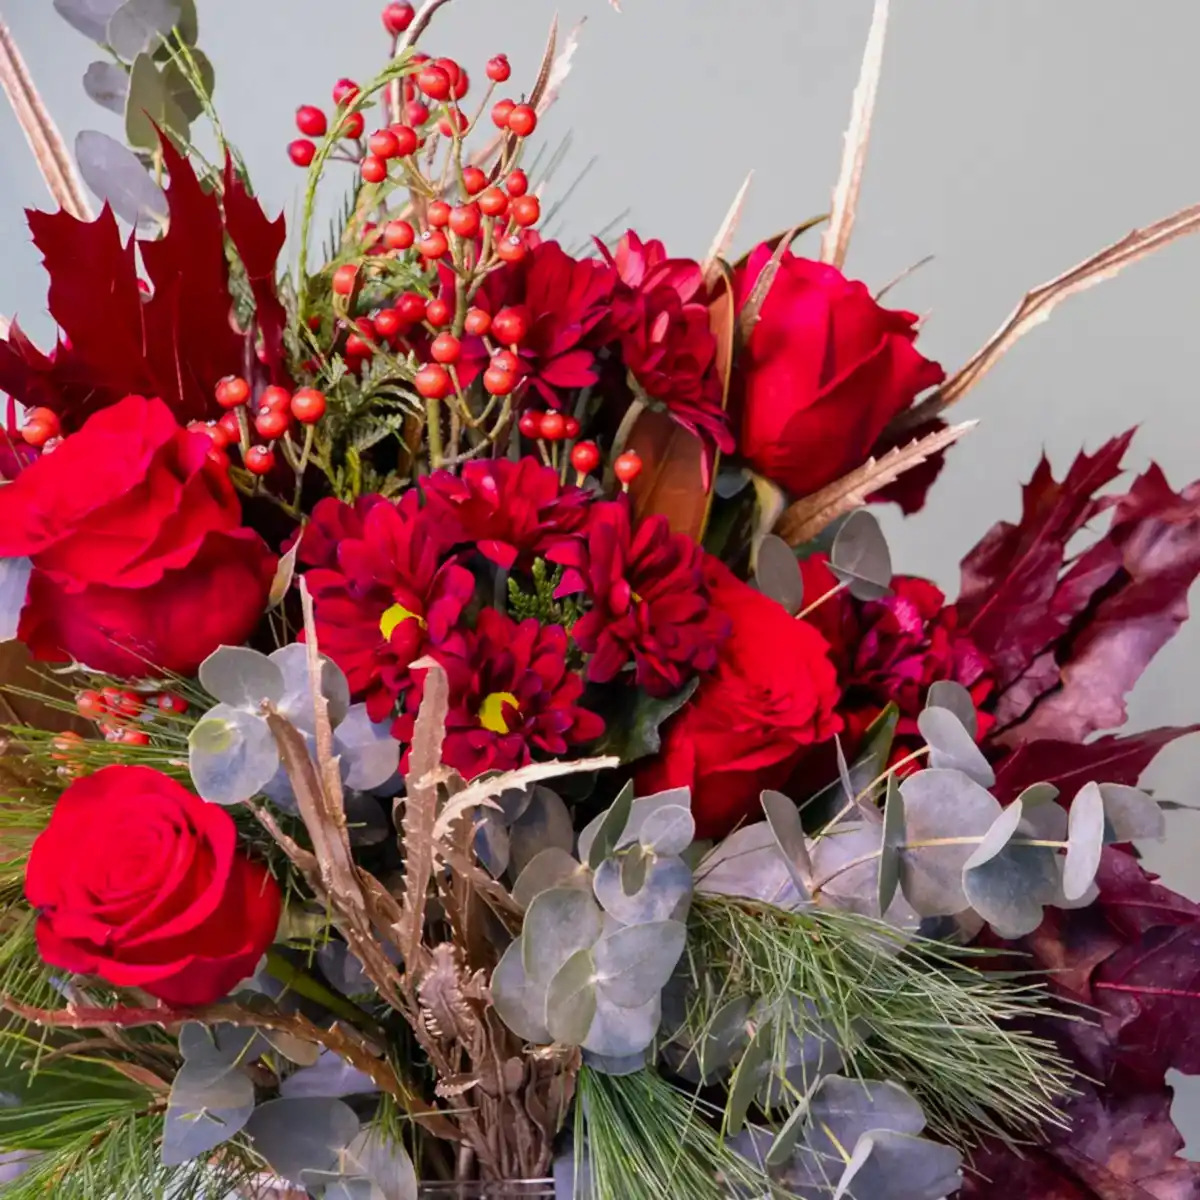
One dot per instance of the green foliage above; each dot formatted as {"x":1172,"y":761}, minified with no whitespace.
{"x":540,"y":604}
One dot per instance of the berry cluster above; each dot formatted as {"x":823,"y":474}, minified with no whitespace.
{"x":42,"y":429}
{"x":122,"y":715}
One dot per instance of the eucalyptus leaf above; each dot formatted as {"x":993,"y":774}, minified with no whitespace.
{"x":952,"y":746}
{"x":232,"y":755}
{"x":618,"y":1032}
{"x":664,"y":894}
{"x":890,"y":844}
{"x":330,"y":1076}
{"x":747,"y":1077}
{"x":302,"y":1134}
{"x":114,"y":173}
{"x":668,"y":830}
{"x":107,"y":84}
{"x":749,"y":863}
{"x":519,"y":1001}
{"x":221,"y":1044}
{"x":90,"y":17}
{"x":571,"y":999}
{"x":633,"y":965}
{"x":1000,"y":833}
{"x":947,"y":694}
{"x":242,"y":678}
{"x":777,"y":574}
{"x":558,"y":923}
{"x":1085,"y":841}
{"x":724,"y":1035}
{"x":790,"y":1132}
{"x":179,"y":87}
{"x":343,"y":969}
{"x":150,"y":107}
{"x":601,"y":837}
{"x":628,"y":1064}
{"x":1131,"y":815}
{"x":295,"y":1049}
{"x":209,"y":1104}
{"x":492,"y":846}
{"x":296,"y":702}
{"x":784,"y":821}
{"x":841,"y":1110}
{"x":872,"y":761}
{"x":380,"y":1163}
{"x":139,"y":25}
{"x":188,"y":24}
{"x":544,"y":823}
{"x":370,"y":755}
{"x":14,"y":587}
{"x":644,"y":808}
{"x":731,"y":481}
{"x":860,"y":557}
{"x":888,"y":1165}
{"x":836,"y":882}
{"x":552,"y":868}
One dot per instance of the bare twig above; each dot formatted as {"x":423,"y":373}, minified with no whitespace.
{"x":899,"y":279}
{"x":419,"y":24}
{"x":1038,"y":304}
{"x":807,"y":517}
{"x":845,"y":193}
{"x":40,"y":130}
{"x":724,"y":239}
{"x":560,"y":68}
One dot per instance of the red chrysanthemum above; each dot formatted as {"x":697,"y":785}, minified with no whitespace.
{"x":332,"y":522}
{"x":649,"y":601}
{"x":511,"y":510}
{"x":389,"y":598}
{"x":512,"y":696}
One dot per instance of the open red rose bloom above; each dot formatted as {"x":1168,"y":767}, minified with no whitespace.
{"x":466,"y":679}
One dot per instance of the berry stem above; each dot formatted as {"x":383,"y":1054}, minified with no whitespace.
{"x":305,"y":454}
{"x":628,"y":421}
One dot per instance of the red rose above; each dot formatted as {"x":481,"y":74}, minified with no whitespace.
{"x":140,"y":561}
{"x":823,"y":373}
{"x":141,"y":882}
{"x":772,"y":694}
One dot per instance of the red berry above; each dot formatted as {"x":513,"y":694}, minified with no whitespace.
{"x":344,"y":279}
{"x":310,"y":120}
{"x":446,"y":348}
{"x":387,"y":323}
{"x":438,"y":312}
{"x":416,"y":113}
{"x":434,"y":82}
{"x":506,"y":360}
{"x":554,"y":426}
{"x":302,"y":152}
{"x":406,"y":140}
{"x":517,"y":183}
{"x":359,"y":347}
{"x":168,"y":702}
{"x":91,"y":705}
{"x":465,"y":220}
{"x":522,"y":120}
{"x":211,"y":430}
{"x":585,"y":457}
{"x":344,"y":91}
{"x":433,"y":381}
{"x":432,"y":244}
{"x":232,"y":392}
{"x":438,"y":214}
{"x":398,"y":235}
{"x":628,"y":467}
{"x":511,"y":326}
{"x":133,"y":737}
{"x":274,"y":399}
{"x":308,"y":405}
{"x":121,"y":703}
{"x":384,"y":144}
{"x":454,"y":122}
{"x":474,"y":180}
{"x":452,"y":69}
{"x":498,"y":68}
{"x":259,"y":460}
{"x":352,"y":127}
{"x":493,"y":202}
{"x":411,"y":307}
{"x":530,"y":424}
{"x":498,"y":382}
{"x":526,"y":210}
{"x":397,"y":18}
{"x":572,"y":429}
{"x":501,"y":111}
{"x":271,"y":424}
{"x":511,"y":249}
{"x":478,"y":322}
{"x":374,"y":170}
{"x":36,"y":433}
{"x":461,"y":85}
{"x":233,"y":431}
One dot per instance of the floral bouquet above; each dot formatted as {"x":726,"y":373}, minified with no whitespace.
{"x":463,"y":724}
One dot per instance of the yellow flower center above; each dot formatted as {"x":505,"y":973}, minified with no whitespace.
{"x":491,"y":711}
{"x":395,"y":616}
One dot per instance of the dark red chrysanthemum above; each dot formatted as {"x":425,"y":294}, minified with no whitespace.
{"x":511,"y":510}
{"x":332,"y":523}
{"x":388,"y":599}
{"x":650,"y":602}
{"x":512,"y":696}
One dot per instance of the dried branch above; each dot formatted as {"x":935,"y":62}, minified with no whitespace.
{"x":560,"y":68}
{"x":836,"y":241}
{"x":899,"y":279}
{"x":807,"y":517}
{"x":719,"y":249}
{"x":1038,"y":304}
{"x":419,"y":24}
{"x":749,"y":313}
{"x":542,"y":83}
{"x":40,"y":130}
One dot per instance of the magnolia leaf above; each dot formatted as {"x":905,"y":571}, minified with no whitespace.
{"x":777,"y":574}
{"x":571,"y":999}
{"x":370,"y":755}
{"x":889,"y":1165}
{"x":860,"y":557}
{"x":519,"y":1001}
{"x":618,"y":1032}
{"x":242,"y":678}
{"x":749,"y":863}
{"x":90,"y":17}
{"x":951,"y":745}
{"x":668,"y":830}
{"x":602,"y":836}
{"x":945,"y":693}
{"x":747,"y":1077}
{"x":1085,"y":841}
{"x":149,"y":107}
{"x":664,"y":893}
{"x":305,"y":1134}
{"x":139,"y":25}
{"x":558,"y":922}
{"x":544,"y":824}
{"x":108,"y":85}
{"x":296,"y":702}
{"x":209,"y":1104}
{"x":784,"y":821}
{"x":330,"y":1077}
{"x":889,"y":847}
{"x":633,"y":965}
{"x":114,"y":174}
{"x":231,"y":755}
{"x":285,"y":572}
{"x":552,"y":868}
{"x":1130,"y":815}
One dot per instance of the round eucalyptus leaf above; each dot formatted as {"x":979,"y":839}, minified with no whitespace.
{"x":367,"y":823}
{"x":112,"y":171}
{"x":629,"y":1064}
{"x":343,"y":970}
{"x":749,"y":863}
{"x":1085,"y":841}
{"x":602,"y":836}
{"x":784,"y":820}
{"x":843,"y":769}
{"x":571,"y":999}
{"x":890,"y":844}
{"x":180,"y":88}
{"x":90,"y":17}
{"x":150,"y":107}
{"x":385,"y":1163}
{"x":838,"y":883}
{"x":841,"y":1110}
{"x":558,"y":922}
{"x":14,"y":587}
{"x":209,"y":1104}
{"x":221,"y":1045}
{"x":952,"y":747}
{"x":552,"y":868}
{"x":1001,"y":832}
{"x":777,"y":574}
{"x":752,"y":1068}
{"x":331,"y":1076}
{"x":790,"y":1132}
{"x":295,"y":1049}
{"x":887,"y":1165}
{"x":620,"y":1032}
{"x":139,"y":25}
{"x":296,"y":702}
{"x":1038,"y":796}
{"x":108,"y":85}
{"x":231,"y":754}
{"x":668,"y":830}
{"x":644,"y":807}
{"x":633,"y":965}
{"x":1010,"y":890}
{"x":242,"y":678}
{"x":303,"y":1134}
{"x":369,"y":754}
{"x":634,"y":864}
{"x":1131,"y":815}
{"x":731,"y":482}
{"x":860,"y":557}
{"x":492,"y":846}
{"x":664,"y":894}
{"x":519,"y":1001}
{"x":543,"y":823}
{"x":724,"y":1035}
{"x":945,"y":693}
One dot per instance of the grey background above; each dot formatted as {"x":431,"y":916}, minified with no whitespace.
{"x":1014,"y":138}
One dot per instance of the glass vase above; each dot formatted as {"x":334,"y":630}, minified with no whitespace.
{"x":517,"y":1189}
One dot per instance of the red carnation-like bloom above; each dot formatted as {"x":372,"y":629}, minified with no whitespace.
{"x":512,"y":696}
{"x":650,"y":602}
{"x":388,"y":599}
{"x":511,"y":510}
{"x":332,"y":522}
